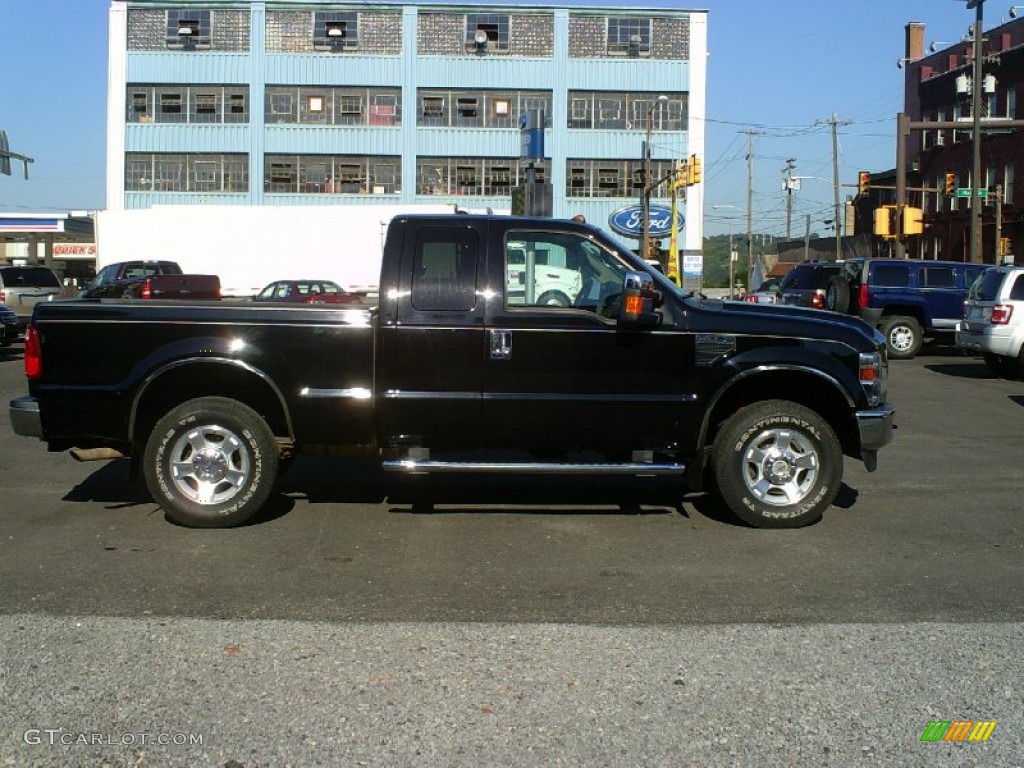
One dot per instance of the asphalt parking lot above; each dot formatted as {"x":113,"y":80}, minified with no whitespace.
{"x":549,"y":593}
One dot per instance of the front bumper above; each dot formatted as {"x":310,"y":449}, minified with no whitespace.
{"x":875,"y":428}
{"x":25,"y":420}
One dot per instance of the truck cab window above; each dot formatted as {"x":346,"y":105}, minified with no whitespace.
{"x":444,"y":270}
{"x":554,"y":269}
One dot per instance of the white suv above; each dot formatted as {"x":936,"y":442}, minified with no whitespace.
{"x":993,"y":321}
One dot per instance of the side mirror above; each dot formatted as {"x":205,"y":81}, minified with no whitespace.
{"x":639,"y":299}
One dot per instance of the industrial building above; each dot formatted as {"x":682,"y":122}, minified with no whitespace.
{"x":326,"y":103}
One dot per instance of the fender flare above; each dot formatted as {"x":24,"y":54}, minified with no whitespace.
{"x":764,"y":368}
{"x":154,"y":375}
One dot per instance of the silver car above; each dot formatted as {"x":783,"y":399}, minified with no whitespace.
{"x":21,"y":288}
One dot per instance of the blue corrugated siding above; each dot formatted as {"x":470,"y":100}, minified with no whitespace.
{"x":323,"y":140}
{"x":196,"y":138}
{"x":288,"y":69}
{"x":225,"y":68}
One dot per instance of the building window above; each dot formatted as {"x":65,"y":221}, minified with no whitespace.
{"x":335,"y":31}
{"x":189,"y":104}
{"x":155,"y":172}
{"x":478,"y":108}
{"x":188,"y":30}
{"x":629,"y":36}
{"x":432,"y":111}
{"x":611,"y":178}
{"x":205,"y":108}
{"x":318,"y":105}
{"x":603,"y":110}
{"x":1011,"y":103}
{"x":332,"y":174}
{"x":482,"y":176}
{"x":487,"y":33}
{"x":139,"y":107}
{"x":1008,"y":184}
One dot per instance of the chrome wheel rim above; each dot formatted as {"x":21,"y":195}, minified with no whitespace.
{"x":780,"y":467}
{"x":901,"y":338}
{"x":209,"y":464}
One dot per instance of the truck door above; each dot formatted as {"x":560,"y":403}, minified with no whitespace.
{"x":565,"y":383}
{"x":429,"y":369}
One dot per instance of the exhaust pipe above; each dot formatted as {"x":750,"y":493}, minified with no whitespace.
{"x":95,"y":454}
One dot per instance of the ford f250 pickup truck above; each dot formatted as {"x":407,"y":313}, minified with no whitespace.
{"x":447,"y":375}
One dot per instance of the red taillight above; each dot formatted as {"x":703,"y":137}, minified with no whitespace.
{"x":3,"y":297}
{"x":33,"y":354}
{"x":818,"y":301}
{"x":862,"y":299}
{"x":146,"y":292}
{"x":1001,"y":314}
{"x":751,"y":298}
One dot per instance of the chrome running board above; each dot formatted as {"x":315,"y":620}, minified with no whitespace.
{"x":417,"y":467}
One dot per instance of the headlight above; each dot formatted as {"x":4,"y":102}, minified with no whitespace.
{"x":874,"y":375}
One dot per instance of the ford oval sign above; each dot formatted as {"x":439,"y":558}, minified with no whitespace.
{"x":629,"y":221}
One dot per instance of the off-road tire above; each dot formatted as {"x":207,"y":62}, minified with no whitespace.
{"x":903,"y":336}
{"x":777,"y":464}
{"x":211,"y":463}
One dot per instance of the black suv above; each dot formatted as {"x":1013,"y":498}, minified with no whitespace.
{"x":906,"y":299}
{"x":806,"y":283}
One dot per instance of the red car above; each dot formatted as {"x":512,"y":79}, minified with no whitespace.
{"x":308,"y":292}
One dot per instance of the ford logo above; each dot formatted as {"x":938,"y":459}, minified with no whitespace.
{"x":629,"y":221}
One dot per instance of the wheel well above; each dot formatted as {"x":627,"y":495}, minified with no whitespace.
{"x":914,"y":312}
{"x":808,"y":390}
{"x":187,"y":382}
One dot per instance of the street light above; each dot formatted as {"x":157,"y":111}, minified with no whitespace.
{"x":646,"y":197}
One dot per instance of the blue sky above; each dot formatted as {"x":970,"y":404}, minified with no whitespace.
{"x":780,"y":67}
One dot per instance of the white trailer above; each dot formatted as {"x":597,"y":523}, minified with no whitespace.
{"x":249,"y":247}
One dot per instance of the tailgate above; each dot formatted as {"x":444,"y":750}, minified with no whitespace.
{"x":977,"y":315}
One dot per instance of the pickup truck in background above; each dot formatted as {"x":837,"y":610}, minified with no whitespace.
{"x":456,"y":373}
{"x":150,"y":280}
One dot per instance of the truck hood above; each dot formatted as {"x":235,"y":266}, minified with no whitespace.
{"x":782,"y":320}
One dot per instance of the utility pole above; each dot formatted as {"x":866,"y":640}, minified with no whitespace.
{"x":648,"y":181}
{"x":979,"y":44}
{"x":788,"y":185}
{"x":834,"y":123}
{"x":750,"y":203}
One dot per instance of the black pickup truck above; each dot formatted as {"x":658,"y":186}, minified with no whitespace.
{"x":464,"y":368}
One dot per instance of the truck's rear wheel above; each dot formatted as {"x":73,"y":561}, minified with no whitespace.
{"x":211,"y":463}
{"x":777,"y":464}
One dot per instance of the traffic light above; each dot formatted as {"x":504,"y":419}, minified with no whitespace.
{"x":950,"y":187}
{"x":883,"y":220}
{"x":696,"y":170}
{"x":863,"y":182}
{"x":912,"y":220}
{"x":682,"y":174}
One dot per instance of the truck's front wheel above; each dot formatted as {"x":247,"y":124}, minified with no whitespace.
{"x":777,"y":464}
{"x":211,"y":463}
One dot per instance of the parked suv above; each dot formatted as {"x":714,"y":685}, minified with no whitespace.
{"x":21,"y":288}
{"x":906,"y":299}
{"x":805,"y":283}
{"x":993,"y":323}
